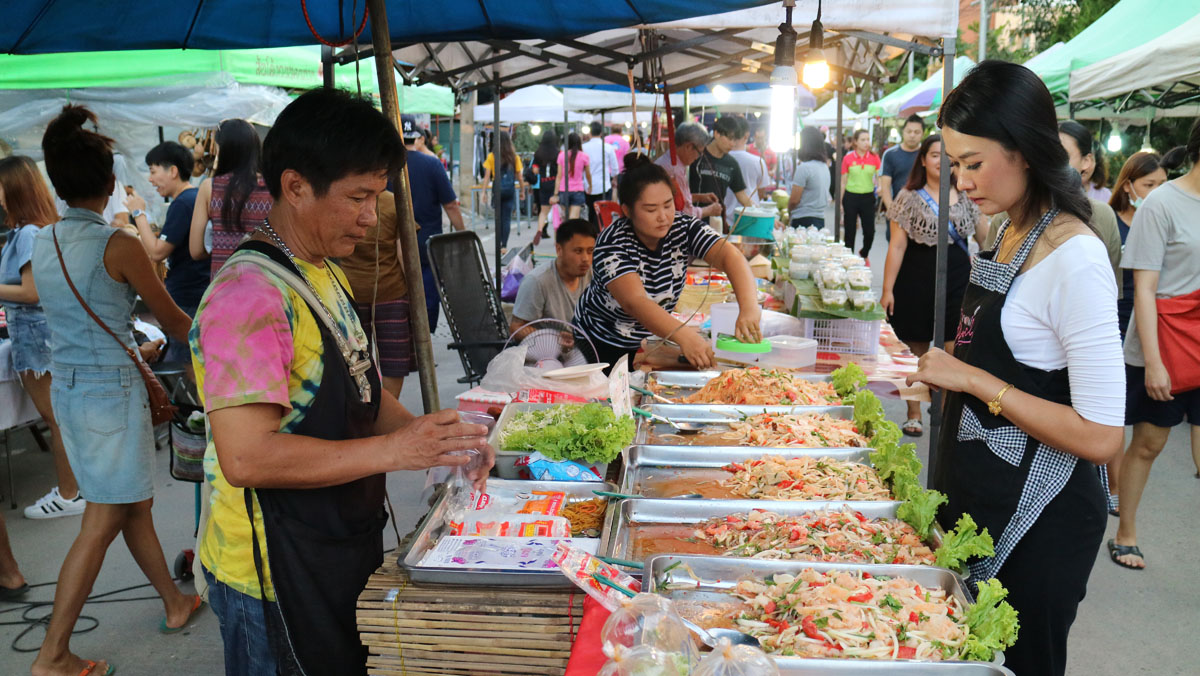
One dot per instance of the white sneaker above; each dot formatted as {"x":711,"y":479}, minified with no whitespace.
{"x":52,"y":505}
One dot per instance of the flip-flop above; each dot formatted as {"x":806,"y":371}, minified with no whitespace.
{"x":913,"y":427}
{"x":90,"y":669}
{"x":1115,"y":550}
{"x":196,"y":606}
{"x":13,"y":593}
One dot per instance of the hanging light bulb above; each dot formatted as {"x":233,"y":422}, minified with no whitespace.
{"x":783,"y":86}
{"x":1114,"y":142}
{"x":535,"y":129}
{"x":721,"y":93}
{"x":816,"y":66}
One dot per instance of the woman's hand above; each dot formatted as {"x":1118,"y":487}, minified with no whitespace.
{"x":135,"y":202}
{"x":748,"y":329}
{"x":151,"y":351}
{"x":887,"y":301}
{"x":695,"y":349}
{"x":431,"y":440}
{"x":554,"y":200}
{"x":939,"y":370}
{"x":1158,"y":382}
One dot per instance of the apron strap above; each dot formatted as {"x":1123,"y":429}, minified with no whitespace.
{"x":276,"y":630}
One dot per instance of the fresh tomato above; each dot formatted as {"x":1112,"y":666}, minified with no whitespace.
{"x":906,"y":653}
{"x":796,"y":535}
{"x":862,"y":598}
{"x":785,"y":484}
{"x":866,"y":576}
{"x":809,"y":627}
{"x":770,"y":607}
{"x":912,"y":617}
{"x":833,"y":646}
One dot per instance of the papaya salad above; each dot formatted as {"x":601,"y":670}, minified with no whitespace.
{"x":763,"y":387}
{"x":844,"y":535}
{"x":773,"y":477}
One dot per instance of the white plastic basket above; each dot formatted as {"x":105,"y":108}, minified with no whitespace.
{"x":850,"y":336}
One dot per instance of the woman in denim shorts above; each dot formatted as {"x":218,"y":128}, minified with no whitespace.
{"x":97,"y":393}
{"x":28,"y":207}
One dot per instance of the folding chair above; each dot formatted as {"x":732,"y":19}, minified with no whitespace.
{"x":607,"y":211}
{"x":469,"y":300}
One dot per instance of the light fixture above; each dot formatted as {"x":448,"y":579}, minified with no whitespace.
{"x":757,"y":114}
{"x":535,"y":129}
{"x":628,"y":124}
{"x":721,"y":93}
{"x":783,"y":85}
{"x":1114,"y":142}
{"x":816,"y":66}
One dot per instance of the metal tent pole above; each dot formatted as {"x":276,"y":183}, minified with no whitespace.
{"x":327,"y":66}
{"x":422,"y":341}
{"x":603,"y":158}
{"x":839,"y":151}
{"x":496,"y":170}
{"x":939,"y":287}
{"x":984,"y":20}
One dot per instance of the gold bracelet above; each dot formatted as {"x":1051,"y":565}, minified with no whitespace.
{"x":994,"y":406}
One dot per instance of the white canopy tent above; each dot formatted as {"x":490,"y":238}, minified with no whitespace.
{"x":539,"y":103}
{"x":1160,"y":78}
{"x":826,"y":116}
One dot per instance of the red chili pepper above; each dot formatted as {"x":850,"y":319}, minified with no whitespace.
{"x":770,"y":607}
{"x":918,"y":590}
{"x":866,"y":576}
{"x":733,"y":467}
{"x":810,"y":627}
{"x":950,"y":612}
{"x":860,"y":517}
{"x":833,"y":646}
{"x":756,"y":463}
{"x":785,"y":484}
{"x":863,"y":597}
{"x":912,"y":617}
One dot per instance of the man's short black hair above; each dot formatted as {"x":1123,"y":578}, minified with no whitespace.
{"x":595,"y":129}
{"x":326,"y":135}
{"x":170,"y":154}
{"x":575,"y":226}
{"x":914,"y":118}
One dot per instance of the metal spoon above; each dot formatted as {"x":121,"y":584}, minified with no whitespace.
{"x":634,"y":496}
{"x":711,"y":637}
{"x":654,"y":395}
{"x":681,"y":427}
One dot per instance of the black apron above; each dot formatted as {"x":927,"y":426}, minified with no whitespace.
{"x":1044,"y":508}
{"x":322,"y":543}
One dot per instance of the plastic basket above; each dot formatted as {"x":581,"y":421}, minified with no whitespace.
{"x":849,"y":336}
{"x":187,"y":453}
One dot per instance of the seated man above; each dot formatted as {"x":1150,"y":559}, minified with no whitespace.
{"x":552,"y":291}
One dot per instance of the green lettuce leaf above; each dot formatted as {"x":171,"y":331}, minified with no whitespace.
{"x":886,"y":433}
{"x":964,"y":542}
{"x":890,"y":459}
{"x":991,"y":623}
{"x":920,"y":506}
{"x":847,"y":381}
{"x":868,"y":413}
{"x":589,"y":433}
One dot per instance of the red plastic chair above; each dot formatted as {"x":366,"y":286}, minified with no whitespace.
{"x":607,"y":211}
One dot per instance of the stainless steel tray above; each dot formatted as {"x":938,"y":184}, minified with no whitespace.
{"x":506,"y":417}
{"x":685,"y":383}
{"x":876,"y":668}
{"x":646,"y":463}
{"x":433,"y":527}
{"x":617,"y":536}
{"x":703,"y":575}
{"x":718,"y":415}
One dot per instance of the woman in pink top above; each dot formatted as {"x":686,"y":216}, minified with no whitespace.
{"x":570,"y":186}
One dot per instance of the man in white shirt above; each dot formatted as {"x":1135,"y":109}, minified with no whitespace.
{"x":754,"y":170}
{"x":602,"y":163}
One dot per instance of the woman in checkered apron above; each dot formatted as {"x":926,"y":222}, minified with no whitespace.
{"x":1036,"y":386}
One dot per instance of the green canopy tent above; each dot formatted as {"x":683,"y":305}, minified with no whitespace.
{"x":1128,"y":24}
{"x":889,"y":106}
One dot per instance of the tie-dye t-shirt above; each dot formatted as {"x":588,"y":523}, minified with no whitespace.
{"x":254,"y":341}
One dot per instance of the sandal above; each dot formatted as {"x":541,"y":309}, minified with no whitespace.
{"x":196,"y":606}
{"x":1115,"y":550}
{"x":913,"y":427}
{"x":90,"y":669}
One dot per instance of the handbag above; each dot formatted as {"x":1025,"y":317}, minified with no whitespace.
{"x":1179,"y":340}
{"x":161,"y":409}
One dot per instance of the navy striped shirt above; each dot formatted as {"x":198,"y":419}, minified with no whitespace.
{"x":663,"y":272}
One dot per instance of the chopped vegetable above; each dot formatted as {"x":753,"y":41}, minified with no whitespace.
{"x":992,"y":622}
{"x":586,"y":432}
{"x":964,"y":542}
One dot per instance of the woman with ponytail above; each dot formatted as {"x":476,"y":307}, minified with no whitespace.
{"x":1162,"y":365}
{"x":97,"y":394}
{"x":235,"y":199}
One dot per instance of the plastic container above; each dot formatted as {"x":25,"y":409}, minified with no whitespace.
{"x":799,"y":270}
{"x":790,"y":352}
{"x":859,"y":279}
{"x":833,"y":277}
{"x":754,"y":222}
{"x":834,"y":299}
{"x":849,"y":336}
{"x":862,"y":299}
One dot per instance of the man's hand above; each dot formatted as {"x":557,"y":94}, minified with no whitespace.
{"x":430,"y":441}
{"x":151,"y":351}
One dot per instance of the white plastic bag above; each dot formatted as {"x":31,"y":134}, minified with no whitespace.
{"x":736,"y":660}
{"x":647,"y":619}
{"x":507,"y":373}
{"x":642,"y":661}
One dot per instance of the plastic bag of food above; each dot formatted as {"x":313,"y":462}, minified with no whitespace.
{"x":507,"y":372}
{"x":493,"y":524}
{"x":580,"y":567}
{"x":642,"y":660}
{"x":647,"y":619}
{"x":727,"y":659}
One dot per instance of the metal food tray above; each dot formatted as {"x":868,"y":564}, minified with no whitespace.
{"x":689,"y":382}
{"x":717,"y":414}
{"x":825,"y":667}
{"x":617,"y":536}
{"x":644,"y":462}
{"x":433,"y":527}
{"x":704,"y":575}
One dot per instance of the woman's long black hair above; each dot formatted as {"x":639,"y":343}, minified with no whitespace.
{"x":812,"y":145}
{"x":1087,"y":146}
{"x":547,"y":150}
{"x":1176,"y":157}
{"x":919,"y":176}
{"x":575,"y":146}
{"x":1009,"y":104}
{"x":238,"y":154}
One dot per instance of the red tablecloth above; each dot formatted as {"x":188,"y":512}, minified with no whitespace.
{"x":587,"y":655}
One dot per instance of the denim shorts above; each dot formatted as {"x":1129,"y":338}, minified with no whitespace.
{"x":30,"y":341}
{"x":574,"y":198}
{"x":104,"y":415}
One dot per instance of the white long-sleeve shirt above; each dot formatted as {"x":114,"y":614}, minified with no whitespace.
{"x":597,"y":150}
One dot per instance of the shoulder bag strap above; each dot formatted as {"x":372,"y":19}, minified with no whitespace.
{"x":63,"y":264}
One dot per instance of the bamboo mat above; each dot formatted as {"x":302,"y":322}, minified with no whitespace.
{"x":412,"y":629}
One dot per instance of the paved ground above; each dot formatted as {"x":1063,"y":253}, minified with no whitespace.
{"x":1131,"y":622}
